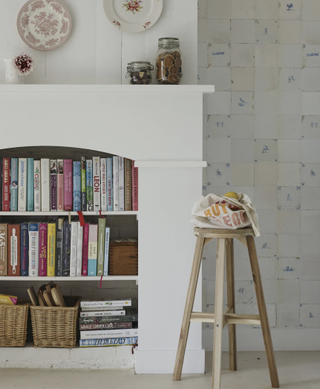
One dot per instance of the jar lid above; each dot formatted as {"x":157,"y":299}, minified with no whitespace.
{"x":139,"y":64}
{"x":169,"y":41}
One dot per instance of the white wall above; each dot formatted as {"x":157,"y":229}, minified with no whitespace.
{"x":262,"y":138}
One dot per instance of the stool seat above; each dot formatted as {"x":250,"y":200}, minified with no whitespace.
{"x":221,"y":317}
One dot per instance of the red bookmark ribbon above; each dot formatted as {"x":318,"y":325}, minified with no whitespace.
{"x":81,"y":218}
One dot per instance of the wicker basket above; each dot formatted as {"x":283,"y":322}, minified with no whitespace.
{"x":56,"y":326}
{"x":13,"y":324}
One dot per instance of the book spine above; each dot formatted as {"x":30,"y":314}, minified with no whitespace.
{"x":104,"y":303}
{"x":53,"y":181}
{"x":37,"y":186}
{"x":121,"y":184}
{"x":24,"y":247}
{"x":134,"y":187}
{"x":76,"y":185}
{"x":66,"y":248}
{"x":6,"y":185}
{"x":33,"y":249}
{"x":127,"y":184}
{"x":22,"y":188}
{"x":30,"y":185}
{"x":59,"y":260}
{"x":101,"y":244}
{"x":104,"y":334}
{"x":14,"y":185}
{"x":102,"y":313}
{"x":1,"y":181}
{"x":92,"y":254}
{"x":108,"y":342}
{"x":14,"y":250}
{"x":51,"y":257}
{"x":108,"y":319}
{"x":109,"y":185}
{"x":83,"y":185}
{"x":73,"y":248}
{"x":45,"y":184}
{"x":115,"y":177}
{"x":79,"y":250}
{"x":60,"y":185}
{"x":8,"y":300}
{"x":67,"y":184}
{"x":106,"y":252}
{"x":107,"y":308}
{"x":89,"y":185}
{"x":103,"y":174}
{"x":85,"y":249}
{"x":96,"y":183}
{"x":43,"y":249}
{"x":105,"y":326}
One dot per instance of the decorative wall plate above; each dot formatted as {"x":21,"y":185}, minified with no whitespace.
{"x":133,"y":16}
{"x":44,"y":24}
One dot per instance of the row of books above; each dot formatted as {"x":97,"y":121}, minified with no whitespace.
{"x":97,"y":184}
{"x":107,"y":323}
{"x":54,"y":248}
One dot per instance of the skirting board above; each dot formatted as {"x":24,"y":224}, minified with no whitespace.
{"x":299,"y":339}
{"x":162,"y":361}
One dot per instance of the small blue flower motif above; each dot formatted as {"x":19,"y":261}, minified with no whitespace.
{"x":198,"y":77}
{"x":265,"y":149}
{"x":312,"y":173}
{"x":298,"y":188}
{"x":311,"y":316}
{"x":242,"y":103}
{"x":265,"y":246}
{"x":288,"y":198}
{"x":288,"y":268}
{"x":265,"y":31}
{"x":227,"y":164}
{"x":218,"y":173}
{"x":241,"y":290}
{"x":289,"y":7}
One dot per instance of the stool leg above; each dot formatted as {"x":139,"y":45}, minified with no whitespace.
{"x":231,"y":304}
{"x":219,"y":315}
{"x":262,"y":312}
{"x":188,"y":309}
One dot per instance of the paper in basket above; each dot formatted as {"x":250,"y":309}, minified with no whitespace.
{"x":214,"y":211}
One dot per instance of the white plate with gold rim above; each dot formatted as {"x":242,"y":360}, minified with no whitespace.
{"x":133,"y":16}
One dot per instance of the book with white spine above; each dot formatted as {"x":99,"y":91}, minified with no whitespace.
{"x":105,"y":303}
{"x":121,"y":184}
{"x":115,"y":175}
{"x":33,"y":249}
{"x":106,"y":252}
{"x":96,"y":183}
{"x":102,"y":313}
{"x":103,"y":185}
{"x":103,"y":334}
{"x":45,"y":184}
{"x":79,"y":250}
{"x":110,"y":308}
{"x":22,"y":188}
{"x":37,"y":186}
{"x":73,"y":248}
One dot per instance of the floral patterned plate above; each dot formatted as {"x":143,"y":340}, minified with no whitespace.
{"x":133,"y":16}
{"x":44,"y":24}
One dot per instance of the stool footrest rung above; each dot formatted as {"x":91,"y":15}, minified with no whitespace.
{"x":230,"y":318}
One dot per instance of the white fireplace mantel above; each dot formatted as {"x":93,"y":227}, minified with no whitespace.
{"x":160,"y":127}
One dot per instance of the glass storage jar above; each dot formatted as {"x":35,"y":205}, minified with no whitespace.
{"x":139,"y":72}
{"x":168,"y":62}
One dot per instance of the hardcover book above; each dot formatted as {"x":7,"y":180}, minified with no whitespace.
{"x":102,"y":313}
{"x":67,"y":184}
{"x":85,"y":249}
{"x":106,"y":252}
{"x":103,"y":334}
{"x":73,"y":248}
{"x":24,"y":246}
{"x":51,"y":256}
{"x":105,"y":326}
{"x":45,"y":184}
{"x":33,"y":249}
{"x":53,"y":180}
{"x":76,"y":185}
{"x":92,"y":255}
{"x":109,"y":185}
{"x":14,"y":250}
{"x":115,"y":179}
{"x":59,"y":256}
{"x":22,"y":188}
{"x":30,"y":185}
{"x":3,"y":249}
{"x":103,"y":174}
{"x":79,"y":250}
{"x":109,"y":342}
{"x":1,"y":179}
{"x":107,"y":308}
{"x":127,"y":184}
{"x":60,"y":185}
{"x":121,"y":184}
{"x":37,"y":186}
{"x":89,"y":185}
{"x":131,"y":316}
{"x":66,"y":248}
{"x":101,"y":244}
{"x":14,"y":185}
{"x":83,"y":185}
{"x":96,"y":183}
{"x":134,"y":187}
{"x":6,"y":184}
{"x":43,"y":249}
{"x":105,"y":303}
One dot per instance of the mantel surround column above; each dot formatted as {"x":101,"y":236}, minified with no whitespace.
{"x":160,"y":127}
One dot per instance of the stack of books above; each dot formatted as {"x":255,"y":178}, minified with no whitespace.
{"x":107,"y":323}
{"x":95,"y":184}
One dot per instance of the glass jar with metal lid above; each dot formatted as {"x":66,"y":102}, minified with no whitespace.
{"x":139,"y":72}
{"x":168,"y":61}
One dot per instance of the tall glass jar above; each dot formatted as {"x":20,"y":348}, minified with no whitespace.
{"x":139,"y":72}
{"x":168,"y":62}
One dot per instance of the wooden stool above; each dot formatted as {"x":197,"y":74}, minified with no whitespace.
{"x":219,"y":318}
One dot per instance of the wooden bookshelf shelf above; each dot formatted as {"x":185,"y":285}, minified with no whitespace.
{"x":61,"y":279}
{"x":53,"y":213}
